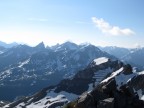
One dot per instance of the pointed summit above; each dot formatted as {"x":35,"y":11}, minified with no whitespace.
{"x":65,"y":46}
{"x":40,"y":46}
{"x":69,"y":45}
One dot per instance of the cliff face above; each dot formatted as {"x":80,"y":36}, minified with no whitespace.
{"x":122,"y":89}
{"x":90,"y":77}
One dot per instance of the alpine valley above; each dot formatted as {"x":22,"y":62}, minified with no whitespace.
{"x":71,"y":76}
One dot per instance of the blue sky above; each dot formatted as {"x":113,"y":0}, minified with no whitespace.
{"x":100,"y":22}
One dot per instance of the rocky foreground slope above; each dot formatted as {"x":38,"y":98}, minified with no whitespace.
{"x":105,"y":83}
{"x":122,"y":89}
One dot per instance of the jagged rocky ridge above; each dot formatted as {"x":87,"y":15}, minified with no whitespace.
{"x":25,"y":70}
{"x":133,"y":56}
{"x":6,"y":45}
{"x":105,"y":83}
{"x":122,"y":89}
{"x":136,"y":56}
{"x":116,"y":51}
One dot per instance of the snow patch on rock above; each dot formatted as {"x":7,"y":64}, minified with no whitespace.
{"x":46,"y":102}
{"x":69,"y":96}
{"x":101,"y":60}
{"x":23,"y":63}
{"x":113,"y":75}
{"x":123,"y":79}
{"x":142,"y":98}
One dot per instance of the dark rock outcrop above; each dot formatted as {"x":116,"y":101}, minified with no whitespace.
{"x":124,"y":98}
{"x":127,"y":69}
{"x":106,"y":103}
{"x":108,"y":95}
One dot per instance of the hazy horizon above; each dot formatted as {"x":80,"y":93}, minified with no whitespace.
{"x":83,"y":43}
{"x":101,"y":23}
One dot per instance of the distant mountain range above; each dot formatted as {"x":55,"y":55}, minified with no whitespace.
{"x":25,"y":69}
{"x":67,"y":69}
{"x":116,"y":51}
{"x":3,"y":44}
{"x":133,"y":56}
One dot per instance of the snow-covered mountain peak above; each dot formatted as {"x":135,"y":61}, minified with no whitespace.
{"x":84,"y":44}
{"x":65,"y":46}
{"x":69,"y":45}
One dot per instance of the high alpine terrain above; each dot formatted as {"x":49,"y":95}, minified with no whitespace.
{"x":24,"y":69}
{"x":104,"y":83}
